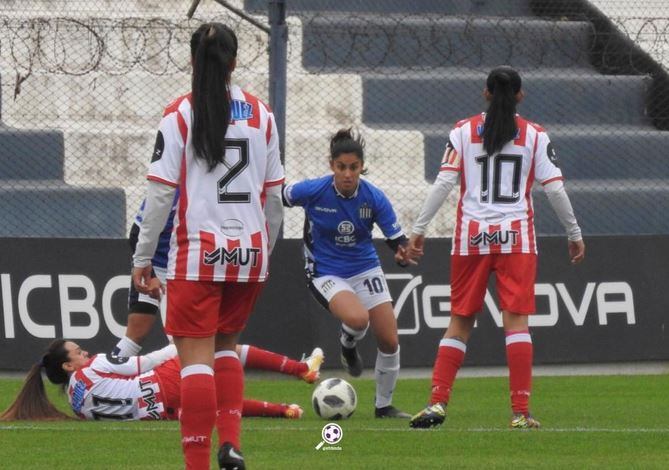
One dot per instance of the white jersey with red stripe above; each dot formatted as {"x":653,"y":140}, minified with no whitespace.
{"x":220,"y":230}
{"x":495,"y":212}
{"x":110,"y":387}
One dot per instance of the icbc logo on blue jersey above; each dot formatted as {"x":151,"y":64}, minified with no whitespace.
{"x":346,"y":236}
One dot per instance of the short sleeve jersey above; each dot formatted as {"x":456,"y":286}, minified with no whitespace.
{"x":113,"y":388}
{"x":338,"y":229}
{"x":220,"y":230}
{"x":495,"y":212}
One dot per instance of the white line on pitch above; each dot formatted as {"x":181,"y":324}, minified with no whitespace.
{"x":32,"y":427}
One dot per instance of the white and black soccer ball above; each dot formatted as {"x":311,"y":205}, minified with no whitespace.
{"x":334,"y":399}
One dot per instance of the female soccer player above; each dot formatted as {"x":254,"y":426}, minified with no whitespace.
{"x":498,"y":155}
{"x":110,"y":387}
{"x":219,"y":146}
{"x":342,"y":266}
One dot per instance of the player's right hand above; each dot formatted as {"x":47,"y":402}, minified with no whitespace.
{"x":146,"y":283}
{"x":576,"y":251}
{"x":416,"y":244}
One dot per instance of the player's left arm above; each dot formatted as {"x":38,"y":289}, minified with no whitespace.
{"x":386,"y":219}
{"x":549,"y":175}
{"x":274,"y":179}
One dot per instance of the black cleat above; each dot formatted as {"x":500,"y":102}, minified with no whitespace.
{"x":351,"y":361}
{"x":230,"y":458}
{"x":390,"y":412}
{"x":432,"y":416}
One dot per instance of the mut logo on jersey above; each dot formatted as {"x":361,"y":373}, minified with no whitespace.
{"x":78,"y":395}
{"x":241,"y":110}
{"x":149,"y":398}
{"x":365,"y":212}
{"x":498,"y":237}
{"x":237,"y":256}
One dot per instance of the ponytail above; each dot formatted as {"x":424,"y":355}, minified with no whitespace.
{"x":503,"y":84}
{"x":213,"y":49}
{"x":32,"y":402}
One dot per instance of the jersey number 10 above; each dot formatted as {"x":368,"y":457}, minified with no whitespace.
{"x":498,"y":161}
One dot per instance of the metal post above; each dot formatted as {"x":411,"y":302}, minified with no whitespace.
{"x":278,"y":65}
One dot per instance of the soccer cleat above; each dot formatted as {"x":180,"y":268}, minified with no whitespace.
{"x":390,"y":412}
{"x":351,"y":361}
{"x":524,"y":421}
{"x":433,"y":415}
{"x":314,"y":362}
{"x":230,"y":458}
{"x":293,"y":411}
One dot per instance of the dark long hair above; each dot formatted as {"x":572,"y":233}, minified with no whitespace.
{"x":32,"y":402}
{"x":347,"y":141}
{"x":503,"y":84}
{"x":213,"y":49}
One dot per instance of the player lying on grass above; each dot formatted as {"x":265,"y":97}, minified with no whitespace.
{"x":131,"y":388}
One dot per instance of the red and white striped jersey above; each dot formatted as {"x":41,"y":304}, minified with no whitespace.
{"x":114,"y":388}
{"x":220,"y":230}
{"x":495,"y":212}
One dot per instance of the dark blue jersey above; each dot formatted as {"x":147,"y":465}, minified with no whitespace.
{"x":163,"y":248}
{"x":338,"y":229}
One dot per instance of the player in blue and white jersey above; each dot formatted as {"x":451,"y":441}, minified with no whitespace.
{"x":142,"y":308}
{"x":342,"y":265}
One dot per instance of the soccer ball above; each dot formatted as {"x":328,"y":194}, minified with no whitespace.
{"x":334,"y":399}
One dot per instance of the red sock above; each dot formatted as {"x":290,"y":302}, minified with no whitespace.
{"x":263,"y":408}
{"x":229,"y":396}
{"x":449,"y":359}
{"x":198,"y":414}
{"x":256,"y":358}
{"x":519,"y":358}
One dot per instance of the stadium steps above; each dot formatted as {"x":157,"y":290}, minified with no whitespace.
{"x":424,"y":72}
{"x":51,"y":208}
{"x":375,"y":41}
{"x":30,"y":154}
{"x":451,"y":7}
{"x":36,"y":202}
{"x":610,"y":207}
{"x":550,"y":97}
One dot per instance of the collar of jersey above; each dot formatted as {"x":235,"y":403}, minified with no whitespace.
{"x":355,"y":193}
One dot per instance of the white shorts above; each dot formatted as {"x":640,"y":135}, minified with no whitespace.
{"x":370,"y":287}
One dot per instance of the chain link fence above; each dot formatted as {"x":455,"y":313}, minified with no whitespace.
{"x":84,"y":84}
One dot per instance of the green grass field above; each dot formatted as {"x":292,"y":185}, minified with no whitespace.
{"x":588,"y":422}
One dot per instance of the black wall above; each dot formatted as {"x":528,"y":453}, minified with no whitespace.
{"x":610,"y":308}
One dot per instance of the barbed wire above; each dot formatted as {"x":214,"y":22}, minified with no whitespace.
{"x":76,"y":46}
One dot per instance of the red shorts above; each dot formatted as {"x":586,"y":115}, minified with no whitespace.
{"x":515,"y":274}
{"x":198,"y":309}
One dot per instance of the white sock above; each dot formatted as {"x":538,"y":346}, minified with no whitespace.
{"x":126,"y":348}
{"x":386,"y":371}
{"x":349,"y":337}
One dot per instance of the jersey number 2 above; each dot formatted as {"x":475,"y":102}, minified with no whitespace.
{"x":225,"y":196}
{"x":498,"y":161}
